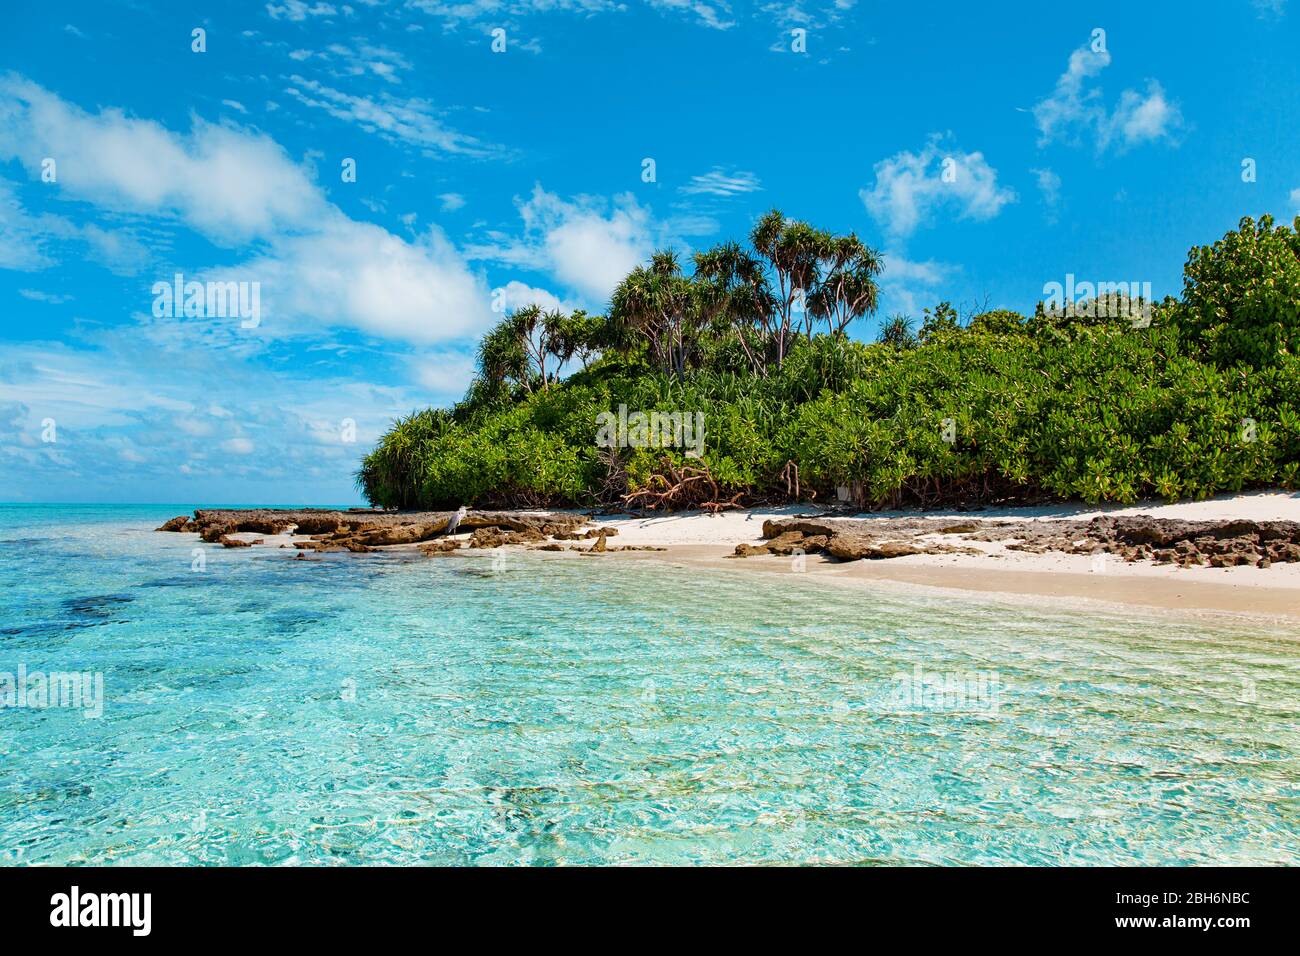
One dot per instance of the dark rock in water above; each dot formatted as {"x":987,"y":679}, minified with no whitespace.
{"x":96,"y":605}
{"x":496,"y":538}
{"x":600,"y":547}
{"x":479,"y":572}
{"x":213,"y":525}
{"x":95,"y":610}
{"x":175,"y":524}
{"x":442,"y":546}
{"x":319,"y":524}
{"x":362,"y":530}
{"x":214,"y":532}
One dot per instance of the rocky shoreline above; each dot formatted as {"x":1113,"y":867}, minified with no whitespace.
{"x":361,"y":530}
{"x":1219,"y":544}
{"x":1171,"y":541}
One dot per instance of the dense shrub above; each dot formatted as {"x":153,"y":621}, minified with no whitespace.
{"x":1204,"y":400}
{"x":1242,"y":294}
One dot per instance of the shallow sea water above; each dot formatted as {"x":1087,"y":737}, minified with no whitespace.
{"x":544,"y":710}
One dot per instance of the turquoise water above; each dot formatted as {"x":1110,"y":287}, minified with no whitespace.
{"x":365,"y":709}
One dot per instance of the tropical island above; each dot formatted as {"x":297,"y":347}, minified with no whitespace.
{"x":731,"y":403}
{"x":1106,"y":399}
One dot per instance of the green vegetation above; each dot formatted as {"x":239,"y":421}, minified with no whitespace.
{"x":1203,"y":399}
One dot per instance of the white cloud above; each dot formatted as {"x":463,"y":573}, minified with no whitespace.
{"x":1140,"y":118}
{"x":719,"y":182}
{"x":52,"y":298}
{"x":1070,"y":104}
{"x":691,"y":224}
{"x":24,"y":239}
{"x":317,"y":267}
{"x":412,"y":121}
{"x":21,"y":235}
{"x":234,"y":105}
{"x":588,"y":249}
{"x":193,"y":426}
{"x":907,"y":286}
{"x":1075,"y":110}
{"x":712,"y":15}
{"x":471,"y":11}
{"x":360,"y":59}
{"x":298,"y":10}
{"x":227,"y":183}
{"x":116,"y":250}
{"x":516,"y":295}
{"x":446,"y":374}
{"x":1049,"y":185}
{"x":145,"y":423}
{"x":1295,"y":200}
{"x":452,"y":201}
{"x":911,"y":188}
{"x":588,"y":244}
{"x":358,"y":274}
{"x":806,"y":13}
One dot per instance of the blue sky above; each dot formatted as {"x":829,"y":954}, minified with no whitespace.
{"x":512,"y":176}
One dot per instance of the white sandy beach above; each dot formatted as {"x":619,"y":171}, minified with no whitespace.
{"x":745,"y":526}
{"x":708,"y":539}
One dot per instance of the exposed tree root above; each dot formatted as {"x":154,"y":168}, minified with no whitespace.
{"x":684,"y":487}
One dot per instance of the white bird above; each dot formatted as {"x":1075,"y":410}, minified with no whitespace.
{"x":456,"y":519}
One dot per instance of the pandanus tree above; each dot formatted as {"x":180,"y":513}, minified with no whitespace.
{"x":502,"y":359}
{"x":847,"y":289}
{"x":733,"y":294}
{"x":544,"y":338}
{"x":899,"y":332}
{"x":583,"y":336}
{"x":816,"y":277}
{"x":660,"y":304}
{"x":526,"y":349}
{"x":791,"y":250}
{"x":795,"y":278}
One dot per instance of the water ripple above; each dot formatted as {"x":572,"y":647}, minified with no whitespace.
{"x":270,"y":711}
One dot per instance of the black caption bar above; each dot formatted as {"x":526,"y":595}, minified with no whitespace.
{"x":333,"y":906}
